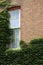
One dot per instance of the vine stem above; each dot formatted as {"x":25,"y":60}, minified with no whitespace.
{"x":2,"y":1}
{"x":1,"y":10}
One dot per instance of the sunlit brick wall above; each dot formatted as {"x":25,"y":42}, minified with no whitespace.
{"x":31,"y":19}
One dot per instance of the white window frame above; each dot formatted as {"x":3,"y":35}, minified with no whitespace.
{"x":15,"y":8}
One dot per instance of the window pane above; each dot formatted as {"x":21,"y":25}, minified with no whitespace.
{"x":15,"y":18}
{"x":16,"y":39}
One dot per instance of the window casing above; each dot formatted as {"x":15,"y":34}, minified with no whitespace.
{"x":15,"y":26}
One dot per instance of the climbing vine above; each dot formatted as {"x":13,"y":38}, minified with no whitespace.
{"x":5,"y":31}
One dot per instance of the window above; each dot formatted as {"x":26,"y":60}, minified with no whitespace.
{"x":15,"y":26}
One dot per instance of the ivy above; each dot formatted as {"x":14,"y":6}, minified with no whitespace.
{"x":5,"y":31}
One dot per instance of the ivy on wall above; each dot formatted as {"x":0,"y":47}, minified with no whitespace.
{"x":31,"y":55}
{"x":28,"y":55}
{"x":5,"y":31}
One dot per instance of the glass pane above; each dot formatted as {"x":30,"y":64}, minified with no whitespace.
{"x":12,"y":41}
{"x":16,"y":39}
{"x":15,"y":18}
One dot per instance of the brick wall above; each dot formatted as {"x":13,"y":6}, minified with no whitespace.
{"x":31,"y":19}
